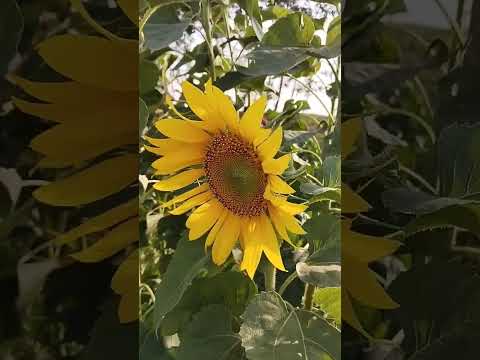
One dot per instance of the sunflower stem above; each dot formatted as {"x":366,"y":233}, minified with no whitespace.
{"x":308,"y":297}
{"x":207,"y":26}
{"x":270,"y":277}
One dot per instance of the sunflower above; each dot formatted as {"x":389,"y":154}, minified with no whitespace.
{"x":93,"y":138}
{"x":238,"y":193}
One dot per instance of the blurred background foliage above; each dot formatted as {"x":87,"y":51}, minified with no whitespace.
{"x":50,"y":305}
{"x":409,"y":77}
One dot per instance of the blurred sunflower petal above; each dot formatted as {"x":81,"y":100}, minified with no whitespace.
{"x":94,"y":183}
{"x":114,"y":241}
{"x":65,"y":54}
{"x":101,"y":222}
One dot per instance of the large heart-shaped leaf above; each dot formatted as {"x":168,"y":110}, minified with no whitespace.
{"x":272,"y":329}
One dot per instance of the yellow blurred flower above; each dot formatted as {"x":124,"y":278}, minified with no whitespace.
{"x":95,"y":134}
{"x":239,"y":193}
{"x":358,"y":250}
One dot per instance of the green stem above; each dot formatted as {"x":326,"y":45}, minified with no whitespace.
{"x":287,"y":282}
{"x":207,"y":26}
{"x":308,"y":297}
{"x":270,"y":277}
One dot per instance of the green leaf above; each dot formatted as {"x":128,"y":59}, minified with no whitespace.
{"x":266,"y":60}
{"x":148,"y":76}
{"x":210,"y":336}
{"x":331,"y":170}
{"x":232,"y":289}
{"x":330,"y":302}
{"x":315,"y":189}
{"x":291,"y":137}
{"x":162,"y":28}
{"x":275,"y":12}
{"x":253,"y":11}
{"x":458,"y":149}
{"x":334,"y":31}
{"x":323,"y":235}
{"x":462,"y":216}
{"x":11,"y":29}
{"x":412,"y":201}
{"x":272,"y":329}
{"x":296,"y":29}
{"x":142,"y":116}
{"x":109,"y":336}
{"x":188,"y":260}
{"x":151,"y":345}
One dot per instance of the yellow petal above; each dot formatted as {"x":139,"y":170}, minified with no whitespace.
{"x":278,"y":223}
{"x":154,"y":150}
{"x":276,"y":166}
{"x":130,"y":8}
{"x":181,"y":130}
{"x":201,"y":213}
{"x":287,"y":207}
{"x":224,"y":242}
{"x":192,"y":202}
{"x":117,"y":239}
{"x":352,"y":202}
{"x":212,"y":235}
{"x":179,"y":181}
{"x":66,"y":92}
{"x":270,"y":147}
{"x":128,"y":307}
{"x":277,"y":185}
{"x":348,"y":314}
{"x":203,"y":218}
{"x":95,"y":183}
{"x":363,"y":247}
{"x":175,"y":161}
{"x":114,"y":65}
{"x":368,"y":291}
{"x":197,"y":101}
{"x":350,"y":130}
{"x":225,"y":109}
{"x":100,"y":222}
{"x":252,"y":250}
{"x":89,"y":113}
{"x":126,"y":275}
{"x":186,"y":195}
{"x":292,"y":225}
{"x":270,"y":244}
{"x":164,"y":146}
{"x":261,"y":136}
{"x":250,"y":125}
{"x":290,"y":222}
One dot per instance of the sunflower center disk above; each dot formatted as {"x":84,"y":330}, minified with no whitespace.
{"x":235,"y":175}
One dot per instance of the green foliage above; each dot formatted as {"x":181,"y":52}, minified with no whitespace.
{"x":328,"y":299}
{"x":416,"y":164}
{"x":11,"y":27}
{"x":231,"y":289}
{"x":210,"y":336}
{"x":272,"y":329}
{"x":189,"y":259}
